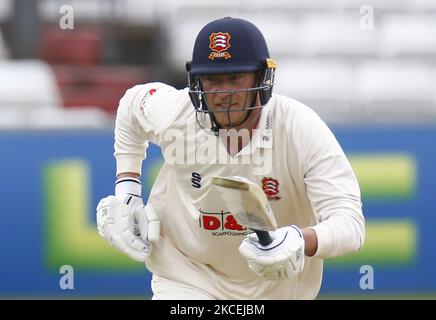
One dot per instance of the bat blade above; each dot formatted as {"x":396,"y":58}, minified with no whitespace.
{"x":248,"y":204}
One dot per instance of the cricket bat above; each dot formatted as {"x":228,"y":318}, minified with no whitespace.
{"x":248,"y":204}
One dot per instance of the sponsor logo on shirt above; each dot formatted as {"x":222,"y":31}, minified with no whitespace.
{"x":145,"y":98}
{"x":221,"y":223}
{"x":271,"y":188}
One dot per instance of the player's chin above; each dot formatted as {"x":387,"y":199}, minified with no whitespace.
{"x":233,"y":124}
{"x":230,"y":120}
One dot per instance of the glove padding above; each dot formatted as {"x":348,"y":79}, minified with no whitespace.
{"x":284,"y":257}
{"x":128,"y":225}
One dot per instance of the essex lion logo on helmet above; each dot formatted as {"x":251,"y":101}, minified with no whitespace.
{"x":219,"y":43}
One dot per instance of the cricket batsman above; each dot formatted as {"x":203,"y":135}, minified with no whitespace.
{"x":228,"y":123}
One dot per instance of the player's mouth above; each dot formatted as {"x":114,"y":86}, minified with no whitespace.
{"x":226,"y":106}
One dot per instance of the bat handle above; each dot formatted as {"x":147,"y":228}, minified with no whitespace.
{"x":264,"y":237}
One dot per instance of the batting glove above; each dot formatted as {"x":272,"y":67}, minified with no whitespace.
{"x":128,"y":225}
{"x":284,"y":257}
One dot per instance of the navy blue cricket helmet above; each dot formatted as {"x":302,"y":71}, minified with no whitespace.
{"x":230,"y":45}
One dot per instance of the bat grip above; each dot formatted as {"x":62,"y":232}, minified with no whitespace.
{"x":264,"y":237}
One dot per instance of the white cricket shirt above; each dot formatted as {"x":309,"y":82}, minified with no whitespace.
{"x":293,"y":155}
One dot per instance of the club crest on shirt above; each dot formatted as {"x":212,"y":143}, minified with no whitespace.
{"x":271,"y":188}
{"x":219,"y":43}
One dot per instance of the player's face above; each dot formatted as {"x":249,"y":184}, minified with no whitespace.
{"x":228,"y":104}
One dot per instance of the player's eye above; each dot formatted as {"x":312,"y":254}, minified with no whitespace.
{"x":236,"y":77}
{"x":209,"y":81}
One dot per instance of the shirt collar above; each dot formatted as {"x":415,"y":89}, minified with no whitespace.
{"x":262,"y":136}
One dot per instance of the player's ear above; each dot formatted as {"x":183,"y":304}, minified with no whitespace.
{"x":259,"y":76}
{"x":188,"y":65}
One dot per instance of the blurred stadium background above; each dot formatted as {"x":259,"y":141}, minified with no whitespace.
{"x":373,"y":83}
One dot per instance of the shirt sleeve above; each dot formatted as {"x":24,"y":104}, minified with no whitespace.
{"x":332,"y":189}
{"x":137,"y":123}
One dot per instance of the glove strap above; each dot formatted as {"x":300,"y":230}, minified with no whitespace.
{"x":128,"y":186}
